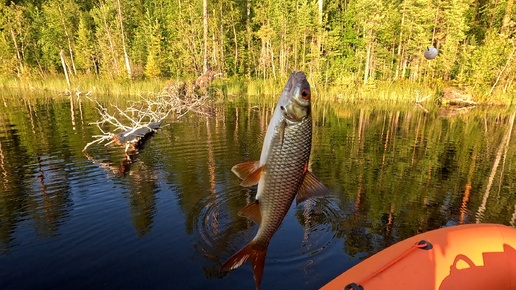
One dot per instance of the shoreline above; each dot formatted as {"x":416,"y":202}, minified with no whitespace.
{"x":231,"y":88}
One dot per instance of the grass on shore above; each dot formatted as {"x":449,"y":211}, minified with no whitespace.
{"x":256,"y":89}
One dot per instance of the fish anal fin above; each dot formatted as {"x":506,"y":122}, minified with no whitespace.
{"x":311,"y":187}
{"x":252,"y":212}
{"x":250,"y":172}
{"x":252,"y":252}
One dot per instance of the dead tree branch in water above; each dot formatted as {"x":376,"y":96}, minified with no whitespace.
{"x":144,"y":117}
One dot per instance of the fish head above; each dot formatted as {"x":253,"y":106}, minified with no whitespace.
{"x":297,"y":98}
{"x":293,"y":107}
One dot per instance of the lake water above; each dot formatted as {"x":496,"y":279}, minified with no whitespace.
{"x":166,"y":218}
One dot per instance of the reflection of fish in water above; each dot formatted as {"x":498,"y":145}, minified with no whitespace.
{"x":281,"y":173}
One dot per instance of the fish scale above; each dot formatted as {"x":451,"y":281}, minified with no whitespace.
{"x":281,"y":173}
{"x":283,"y":176}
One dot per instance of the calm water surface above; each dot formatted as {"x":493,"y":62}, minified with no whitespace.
{"x":167,"y":217}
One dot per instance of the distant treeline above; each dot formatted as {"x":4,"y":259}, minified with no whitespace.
{"x":336,"y":42}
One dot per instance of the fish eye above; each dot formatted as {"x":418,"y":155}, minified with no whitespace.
{"x":305,"y":94}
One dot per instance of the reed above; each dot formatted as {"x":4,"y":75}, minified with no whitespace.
{"x":377,"y":92}
{"x":84,"y":84}
{"x":346,"y":90}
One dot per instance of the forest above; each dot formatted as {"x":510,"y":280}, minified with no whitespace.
{"x":342,"y":44}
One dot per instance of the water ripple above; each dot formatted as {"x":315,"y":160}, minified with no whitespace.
{"x":218,"y":222}
{"x":320,"y":218}
{"x":313,"y":224}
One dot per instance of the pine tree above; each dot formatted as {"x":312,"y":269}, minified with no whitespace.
{"x":85,"y":55}
{"x":451,"y":28}
{"x":153,"y":65}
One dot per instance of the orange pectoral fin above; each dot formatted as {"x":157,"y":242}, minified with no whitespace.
{"x":311,"y":187}
{"x":252,"y":212}
{"x":253,"y":178}
{"x":249,"y":172}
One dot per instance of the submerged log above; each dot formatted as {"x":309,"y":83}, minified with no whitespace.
{"x":134,"y":138}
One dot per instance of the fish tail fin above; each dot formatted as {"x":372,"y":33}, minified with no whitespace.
{"x":252,"y":252}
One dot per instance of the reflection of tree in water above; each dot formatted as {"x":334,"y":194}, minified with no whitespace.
{"x":408,"y":172}
{"x":208,"y":193}
{"x":143,"y":188}
{"x":36,"y":189}
{"x":51,"y":207}
{"x":14,"y":189}
{"x":141,"y":184}
{"x":13,"y":195}
{"x":197,"y":173}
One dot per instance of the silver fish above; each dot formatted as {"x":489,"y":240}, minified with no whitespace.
{"x":281,"y":173}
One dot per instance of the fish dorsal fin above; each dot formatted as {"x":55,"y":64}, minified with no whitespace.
{"x":250,"y":172}
{"x":311,"y":187}
{"x":252,"y":212}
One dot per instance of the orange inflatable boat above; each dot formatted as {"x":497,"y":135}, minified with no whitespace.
{"x":476,"y":256}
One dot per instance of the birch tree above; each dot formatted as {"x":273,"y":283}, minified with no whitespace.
{"x":370,"y":15}
{"x":57,"y":33}
{"x":122,"y":35}
{"x":14,"y":37}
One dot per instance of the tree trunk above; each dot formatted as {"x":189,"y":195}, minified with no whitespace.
{"x":400,"y":44}
{"x":221,"y":46}
{"x":507,"y":17}
{"x":205,"y":34}
{"x":68,"y":39}
{"x":404,"y":67}
{"x":436,"y":23}
{"x":320,"y":8}
{"x":282,"y":55}
{"x":236,"y":49}
{"x":367,"y":62}
{"x":248,"y":29}
{"x":63,"y":63}
{"x":303,"y":64}
{"x":271,"y":49}
{"x":507,"y":63}
{"x":320,"y":28}
{"x":111,"y":46}
{"x":126,"y":56}
{"x":18,"y":53}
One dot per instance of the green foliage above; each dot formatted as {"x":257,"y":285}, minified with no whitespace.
{"x":344,"y":45}
{"x":489,"y":58}
{"x":85,"y":52}
{"x":152,"y":68}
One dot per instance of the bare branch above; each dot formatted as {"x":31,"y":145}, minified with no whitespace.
{"x":145,"y":116}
